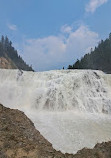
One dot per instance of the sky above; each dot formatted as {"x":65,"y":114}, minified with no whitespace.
{"x":51,"y":34}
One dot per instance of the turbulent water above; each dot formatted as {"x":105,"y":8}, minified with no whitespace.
{"x":71,"y":108}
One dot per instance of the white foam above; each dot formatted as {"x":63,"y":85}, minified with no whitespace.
{"x":70,"y":131}
{"x":71,"y":108}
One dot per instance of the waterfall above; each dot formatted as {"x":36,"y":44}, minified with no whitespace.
{"x":77,"y":90}
{"x":71,"y":108}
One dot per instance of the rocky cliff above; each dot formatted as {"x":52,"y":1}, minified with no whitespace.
{"x":6,"y":63}
{"x":20,"y":139}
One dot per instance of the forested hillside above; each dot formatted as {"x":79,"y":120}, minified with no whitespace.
{"x":99,"y":58}
{"x":9,"y":57}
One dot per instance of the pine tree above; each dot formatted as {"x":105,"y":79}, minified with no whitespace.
{"x":99,"y":58}
{"x":9,"y":52}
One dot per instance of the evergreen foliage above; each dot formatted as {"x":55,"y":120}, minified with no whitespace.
{"x":97,"y":59}
{"x":8,"y":51}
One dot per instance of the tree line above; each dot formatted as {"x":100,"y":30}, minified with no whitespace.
{"x":8,"y":51}
{"x":97,"y":59}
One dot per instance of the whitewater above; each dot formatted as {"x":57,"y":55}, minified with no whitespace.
{"x":70,"y":108}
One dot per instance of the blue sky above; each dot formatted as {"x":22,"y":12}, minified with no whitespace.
{"x":50,"y":34}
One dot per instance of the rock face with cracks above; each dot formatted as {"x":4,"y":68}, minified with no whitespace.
{"x":20,"y":139}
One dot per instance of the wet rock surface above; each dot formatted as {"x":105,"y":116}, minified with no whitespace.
{"x":20,"y":139}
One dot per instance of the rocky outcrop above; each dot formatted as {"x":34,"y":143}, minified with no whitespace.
{"x":20,"y":139}
{"x":6,"y":63}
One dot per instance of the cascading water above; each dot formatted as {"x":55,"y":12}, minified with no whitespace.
{"x":71,"y":108}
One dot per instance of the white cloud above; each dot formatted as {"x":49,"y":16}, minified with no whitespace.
{"x":94,"y":4}
{"x":12,"y":27}
{"x":66,"y":29}
{"x":53,"y":52}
